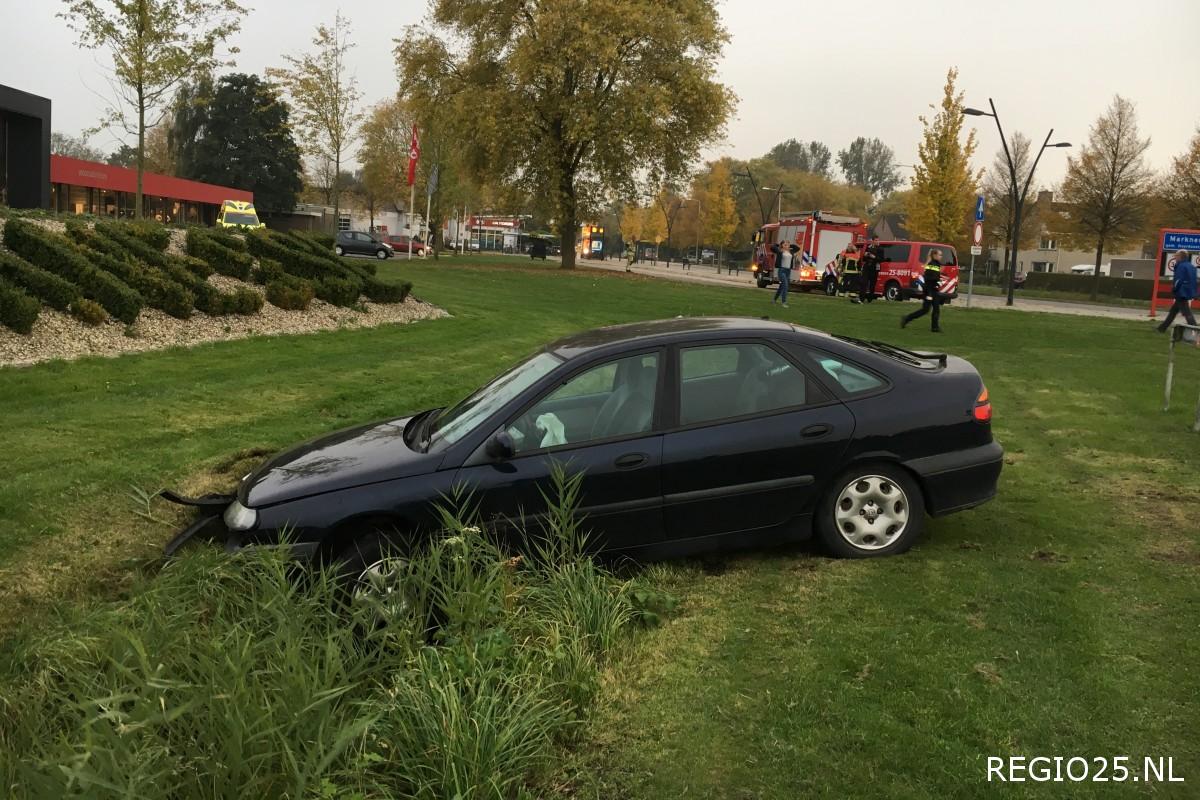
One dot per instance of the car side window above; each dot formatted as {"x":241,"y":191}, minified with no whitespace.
{"x":609,"y":400}
{"x":852,"y":378}
{"x":948,"y":259}
{"x":734,"y":380}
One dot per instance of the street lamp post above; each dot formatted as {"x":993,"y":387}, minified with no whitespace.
{"x":762,"y":213}
{"x":779,"y":193}
{"x":1017,"y":201}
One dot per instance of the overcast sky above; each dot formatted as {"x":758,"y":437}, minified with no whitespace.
{"x":810,"y":70}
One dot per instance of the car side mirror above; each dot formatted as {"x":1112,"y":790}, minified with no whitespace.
{"x":500,"y":447}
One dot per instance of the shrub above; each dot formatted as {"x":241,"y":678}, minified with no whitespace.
{"x":159,"y":291}
{"x":362,"y":269}
{"x":152,"y":233}
{"x":290,"y":297}
{"x":56,"y":254}
{"x":134,"y":248}
{"x":338,"y":291}
{"x":46,"y":286}
{"x":308,"y":245}
{"x":244,"y":301}
{"x":267,"y":270}
{"x":325,"y":240}
{"x":203,"y":245}
{"x":272,"y":245}
{"x":226,"y":239}
{"x":17,"y":310}
{"x":193,"y":265}
{"x":1133,"y":288}
{"x":87,"y":312}
{"x":381,"y":292}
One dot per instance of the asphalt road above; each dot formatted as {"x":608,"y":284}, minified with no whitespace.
{"x":709,"y":275}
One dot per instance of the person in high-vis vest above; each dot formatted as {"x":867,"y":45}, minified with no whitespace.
{"x":932,"y":298}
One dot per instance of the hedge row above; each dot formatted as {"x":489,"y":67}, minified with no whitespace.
{"x":211,"y":300}
{"x":17,"y":310}
{"x":204,"y":245}
{"x":46,"y":286}
{"x":153,"y":234}
{"x":58,"y":255}
{"x":332,"y":282}
{"x":1132,"y":288}
{"x":226,"y":239}
{"x":135,"y":248}
{"x":288,"y":295}
{"x":381,"y":292}
{"x":159,"y":291}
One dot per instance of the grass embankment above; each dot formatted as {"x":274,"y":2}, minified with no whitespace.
{"x":1060,"y":619}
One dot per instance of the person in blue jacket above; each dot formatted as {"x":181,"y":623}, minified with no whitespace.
{"x":1184,"y":290}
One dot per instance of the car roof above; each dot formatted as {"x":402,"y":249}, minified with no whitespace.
{"x":620,"y":337}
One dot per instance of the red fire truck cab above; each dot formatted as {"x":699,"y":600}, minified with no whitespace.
{"x":822,"y":238}
{"x":902,"y":263}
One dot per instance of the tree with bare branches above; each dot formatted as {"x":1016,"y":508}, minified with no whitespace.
{"x":154,"y":45}
{"x":1108,"y":187}
{"x":1181,"y":189}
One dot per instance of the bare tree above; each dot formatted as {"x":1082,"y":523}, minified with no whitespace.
{"x":155,"y":45}
{"x":1109,"y":185}
{"x":325,"y":97}
{"x":997,"y":193}
{"x":1181,"y":189}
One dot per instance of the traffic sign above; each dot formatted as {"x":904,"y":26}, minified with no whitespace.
{"x":977,"y":234}
{"x":976,"y":250}
{"x":979,"y":208}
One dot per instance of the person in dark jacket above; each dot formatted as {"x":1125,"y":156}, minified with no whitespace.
{"x":870,"y":272}
{"x":1184,"y":290}
{"x":932,"y":298}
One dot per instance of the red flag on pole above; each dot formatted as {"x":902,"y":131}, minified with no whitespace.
{"x":414,"y":153}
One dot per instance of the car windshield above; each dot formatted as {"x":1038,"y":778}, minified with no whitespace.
{"x":238,"y":218}
{"x":468,"y":414}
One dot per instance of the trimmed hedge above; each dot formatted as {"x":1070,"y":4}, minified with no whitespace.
{"x":56,"y":253}
{"x":199,"y":268}
{"x":152,"y":233}
{"x":134,"y":247}
{"x":226,"y":239}
{"x":292,"y":297}
{"x":364,"y":270}
{"x":87,"y":312}
{"x":243,"y":301}
{"x":325,"y":240}
{"x":17,"y":310}
{"x":269,"y":270}
{"x":308,"y":245}
{"x":381,"y":292}
{"x":159,"y":291}
{"x":203,"y":245}
{"x":338,"y":291}
{"x":46,"y":286}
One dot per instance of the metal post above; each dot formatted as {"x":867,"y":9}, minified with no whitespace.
{"x":1170,"y":371}
{"x":971,"y":280}
{"x":428,"y":209}
{"x":412,"y":199}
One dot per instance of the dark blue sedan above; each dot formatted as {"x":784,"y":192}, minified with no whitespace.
{"x":692,"y":435}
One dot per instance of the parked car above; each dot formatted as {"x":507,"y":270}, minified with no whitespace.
{"x":399,"y":244}
{"x":692,"y":435}
{"x":360,"y":243}
{"x":902,"y":263}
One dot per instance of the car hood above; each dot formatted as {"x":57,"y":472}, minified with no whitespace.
{"x":352,"y":457}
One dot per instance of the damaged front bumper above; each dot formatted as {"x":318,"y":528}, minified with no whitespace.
{"x":209,"y":523}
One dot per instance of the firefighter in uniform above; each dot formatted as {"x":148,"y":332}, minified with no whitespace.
{"x":932,"y":298}
{"x":870,"y":272}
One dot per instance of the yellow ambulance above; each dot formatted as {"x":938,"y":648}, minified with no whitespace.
{"x":238,"y":214}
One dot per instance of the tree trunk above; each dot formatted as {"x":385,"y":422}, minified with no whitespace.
{"x":567,"y":224}
{"x":141,"y":153}
{"x":1096,"y":274}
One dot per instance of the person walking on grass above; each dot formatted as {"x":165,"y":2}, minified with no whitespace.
{"x":785,"y":254}
{"x":932,"y":299}
{"x":1184,"y":290}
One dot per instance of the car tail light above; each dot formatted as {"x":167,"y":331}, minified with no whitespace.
{"x":983,"y":406}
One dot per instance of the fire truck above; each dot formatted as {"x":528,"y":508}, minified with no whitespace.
{"x":823,"y":240}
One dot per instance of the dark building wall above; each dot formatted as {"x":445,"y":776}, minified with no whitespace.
{"x":25,"y":148}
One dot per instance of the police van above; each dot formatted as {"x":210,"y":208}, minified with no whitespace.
{"x":238,"y":214}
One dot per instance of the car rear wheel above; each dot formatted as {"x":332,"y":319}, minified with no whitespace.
{"x":871,"y":510}
{"x":763,"y":284}
{"x":892,"y":291}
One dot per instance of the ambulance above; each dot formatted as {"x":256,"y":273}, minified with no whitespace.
{"x":238,"y":214}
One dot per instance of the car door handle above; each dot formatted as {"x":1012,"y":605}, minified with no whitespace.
{"x":816,"y":431}
{"x":630,"y":461}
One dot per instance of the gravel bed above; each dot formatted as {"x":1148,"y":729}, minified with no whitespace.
{"x":58,"y":335}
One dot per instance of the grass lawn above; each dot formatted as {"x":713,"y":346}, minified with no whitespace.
{"x":1061,"y":619}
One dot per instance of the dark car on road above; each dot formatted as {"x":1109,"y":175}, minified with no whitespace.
{"x":361,"y":244}
{"x":691,"y":434}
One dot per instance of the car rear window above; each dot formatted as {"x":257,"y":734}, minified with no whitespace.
{"x":852,"y":378}
{"x":894,"y":252}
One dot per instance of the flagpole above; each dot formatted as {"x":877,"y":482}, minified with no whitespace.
{"x":428,"y":237}
{"x":412,"y":198}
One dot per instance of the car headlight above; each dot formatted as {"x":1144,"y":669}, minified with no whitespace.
{"x":240,"y":518}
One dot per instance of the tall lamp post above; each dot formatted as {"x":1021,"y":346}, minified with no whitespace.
{"x":762,"y":212}
{"x":779,"y":193}
{"x":1018,"y":201}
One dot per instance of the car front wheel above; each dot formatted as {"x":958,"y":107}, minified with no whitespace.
{"x":381,"y":254}
{"x":373,"y":578}
{"x":338,"y":251}
{"x":870,"y":511}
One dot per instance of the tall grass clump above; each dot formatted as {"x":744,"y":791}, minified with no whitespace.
{"x":460,"y":669}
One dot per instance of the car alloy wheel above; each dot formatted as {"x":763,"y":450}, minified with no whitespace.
{"x":338,"y":251}
{"x":892,"y":291}
{"x":381,"y":254}
{"x":871,"y":512}
{"x":379,"y":590}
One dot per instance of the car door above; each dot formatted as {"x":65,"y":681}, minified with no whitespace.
{"x":756,"y":438}
{"x":603,"y":422}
